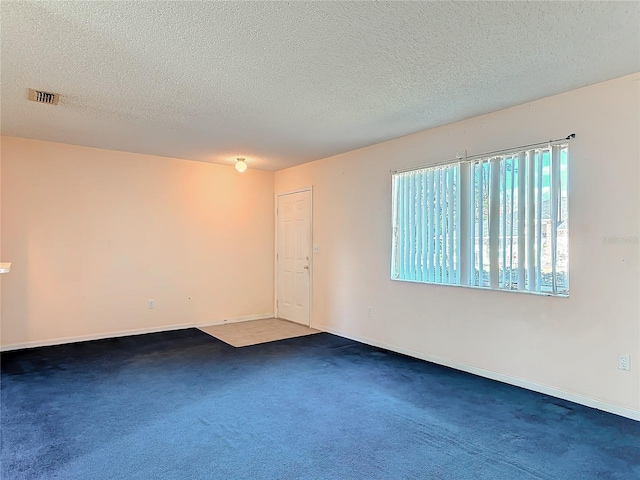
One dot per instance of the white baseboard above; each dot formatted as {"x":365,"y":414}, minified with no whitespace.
{"x":246,"y":318}
{"x":125,"y":333}
{"x":518,"y":382}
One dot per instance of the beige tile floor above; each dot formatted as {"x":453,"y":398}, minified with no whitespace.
{"x":243,"y":334}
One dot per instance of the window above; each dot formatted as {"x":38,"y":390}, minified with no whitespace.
{"x":497,"y":222}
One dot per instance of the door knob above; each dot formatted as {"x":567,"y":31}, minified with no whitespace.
{"x":306,"y":267}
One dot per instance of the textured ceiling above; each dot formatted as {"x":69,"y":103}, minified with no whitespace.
{"x":284,"y":83}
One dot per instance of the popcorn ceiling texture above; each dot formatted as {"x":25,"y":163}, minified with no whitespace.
{"x":283,"y":83}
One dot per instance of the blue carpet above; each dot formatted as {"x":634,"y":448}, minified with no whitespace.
{"x":183,"y":405}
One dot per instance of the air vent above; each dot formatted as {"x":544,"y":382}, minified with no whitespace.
{"x":43,"y":97}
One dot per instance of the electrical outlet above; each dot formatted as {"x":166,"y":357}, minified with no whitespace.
{"x":151,"y":303}
{"x":369,"y":312}
{"x":624,"y":362}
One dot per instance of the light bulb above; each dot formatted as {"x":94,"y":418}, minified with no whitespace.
{"x":240,"y":165}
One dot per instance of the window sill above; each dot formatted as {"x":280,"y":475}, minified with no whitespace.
{"x":475,"y":287}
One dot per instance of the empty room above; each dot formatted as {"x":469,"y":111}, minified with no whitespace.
{"x":319,"y":240}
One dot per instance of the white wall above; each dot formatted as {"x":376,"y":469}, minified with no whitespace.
{"x":567,"y":347}
{"x":1,"y":257}
{"x":93,"y":234}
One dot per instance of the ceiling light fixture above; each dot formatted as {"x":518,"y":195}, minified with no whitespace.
{"x":241,"y":166}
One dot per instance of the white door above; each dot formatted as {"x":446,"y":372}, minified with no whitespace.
{"x":293,"y":254}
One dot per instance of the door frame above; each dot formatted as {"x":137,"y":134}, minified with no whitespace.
{"x":275,"y":254}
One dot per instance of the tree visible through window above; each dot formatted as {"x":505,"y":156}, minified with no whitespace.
{"x":498,"y":222}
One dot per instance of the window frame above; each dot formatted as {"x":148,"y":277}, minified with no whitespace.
{"x":558,"y":177}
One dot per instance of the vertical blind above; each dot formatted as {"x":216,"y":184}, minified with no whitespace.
{"x":426,"y":238}
{"x":498,"y":222}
